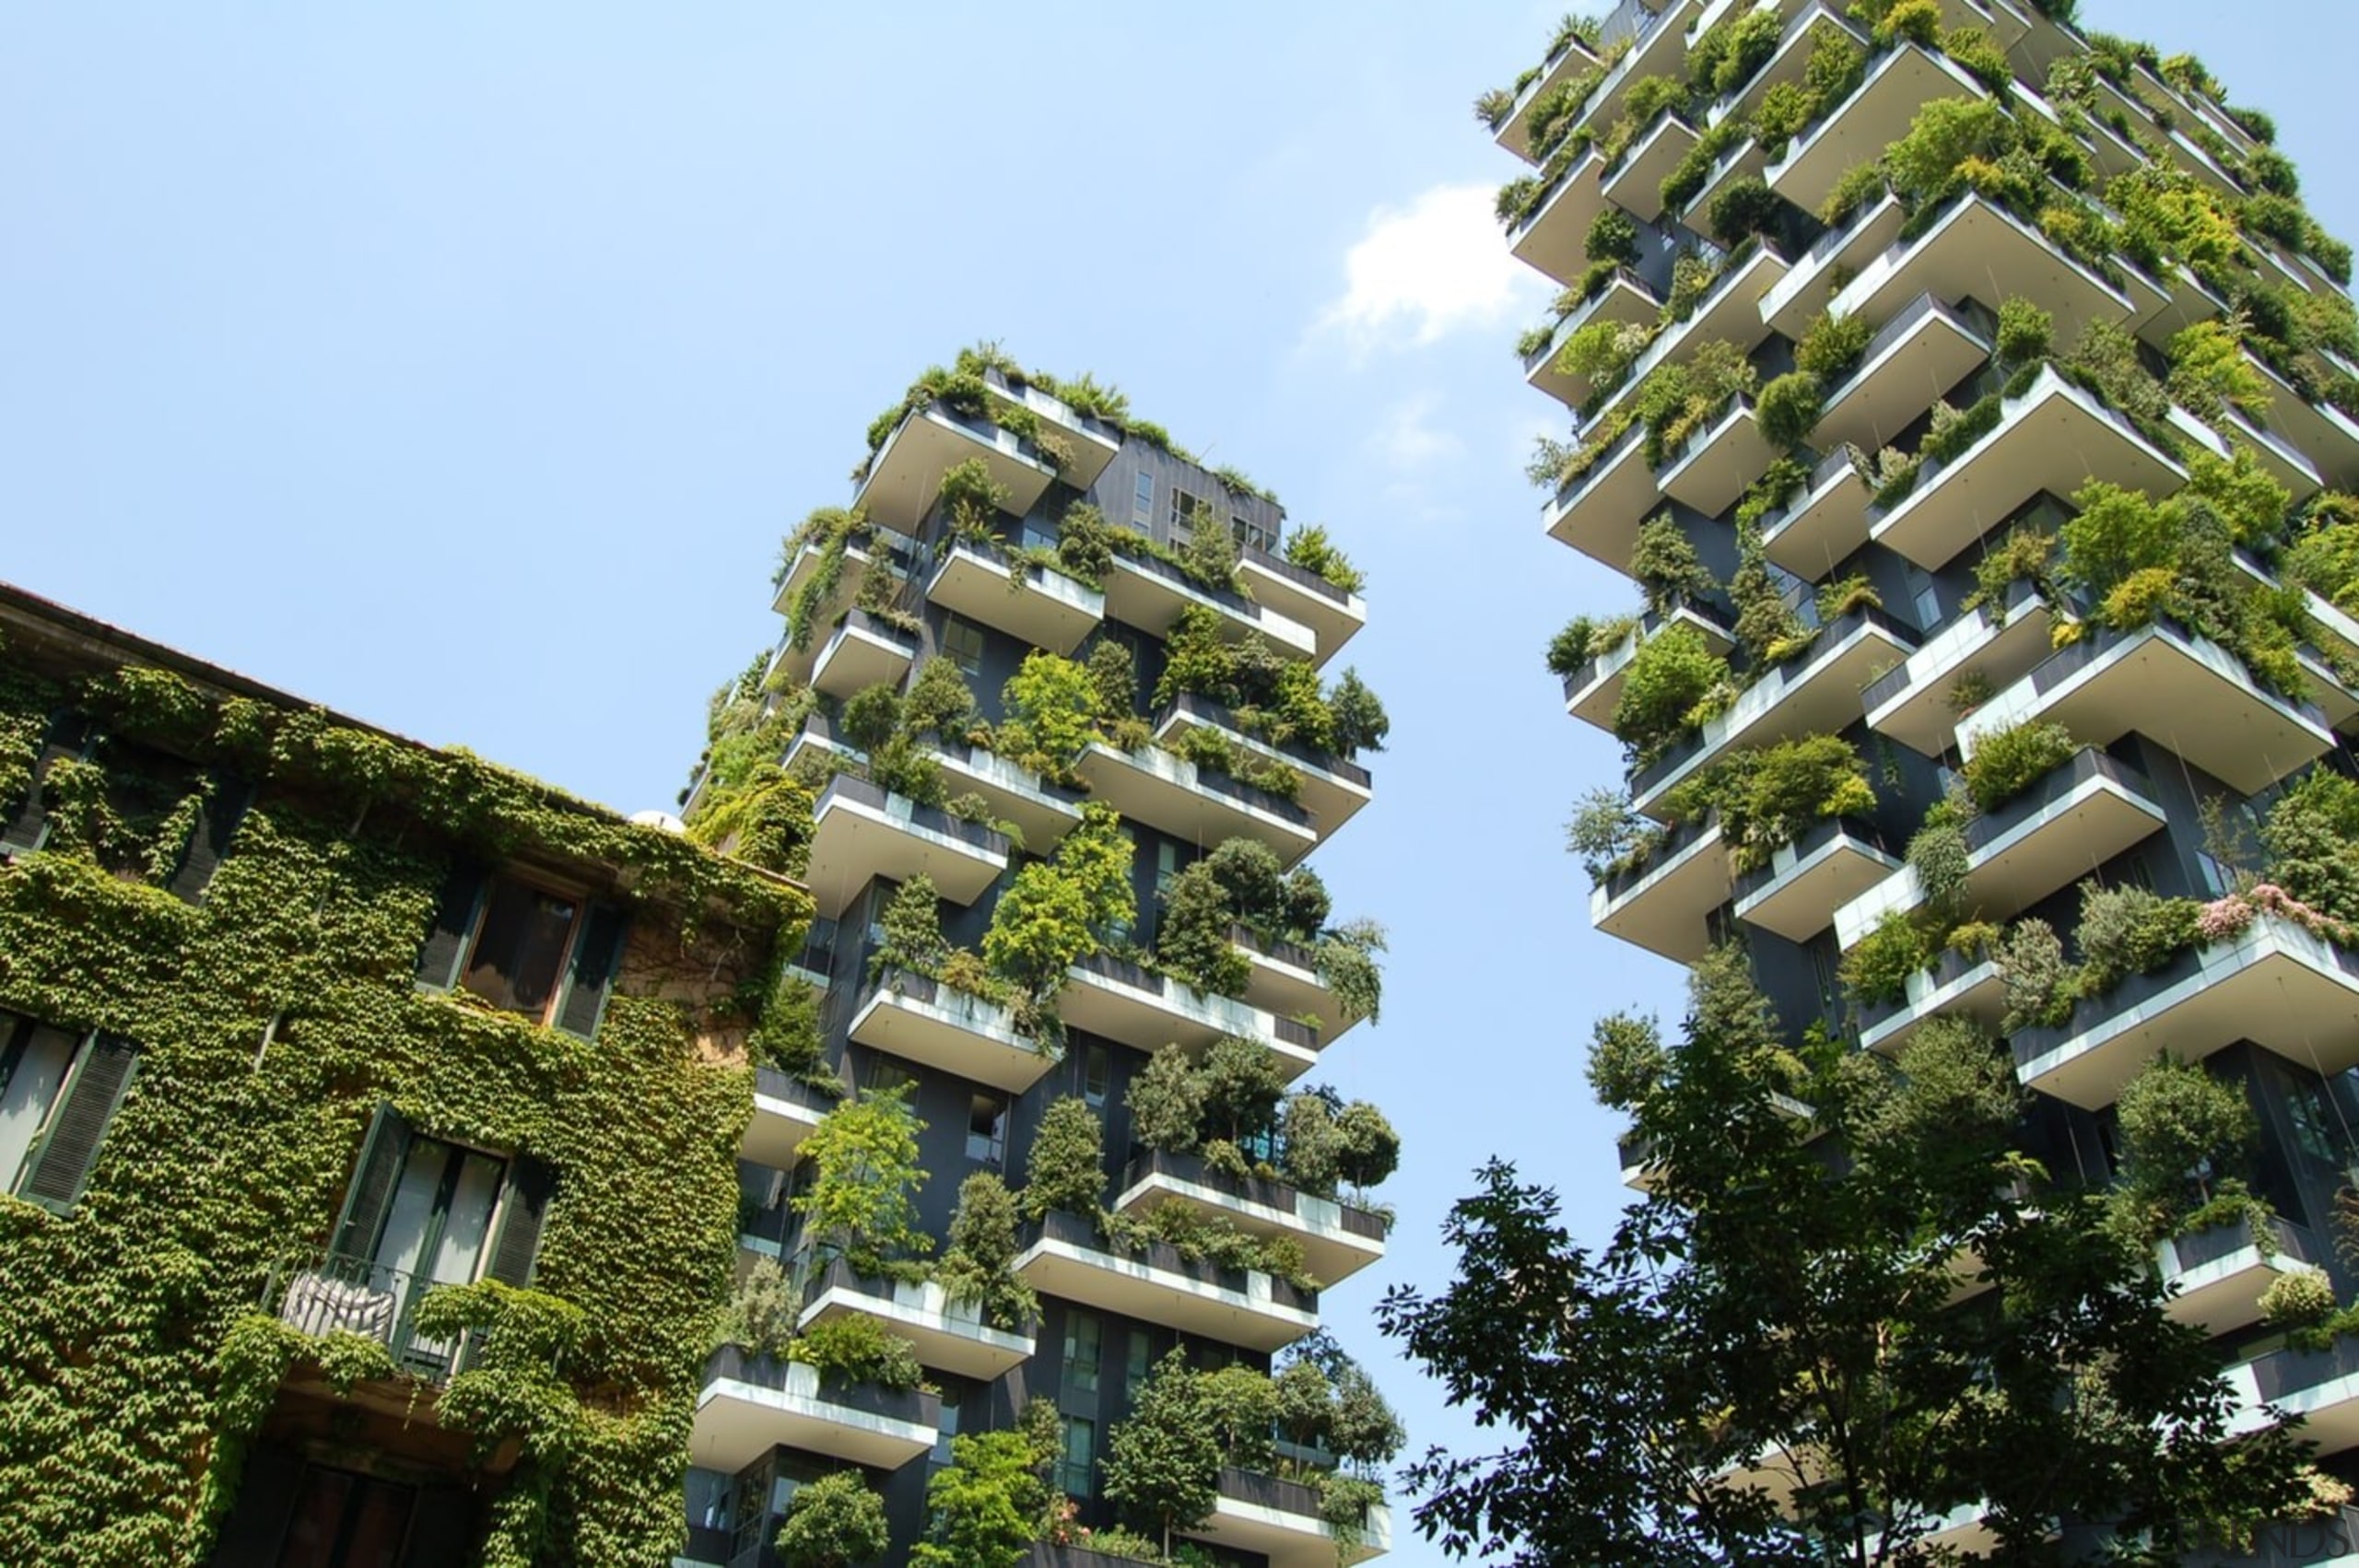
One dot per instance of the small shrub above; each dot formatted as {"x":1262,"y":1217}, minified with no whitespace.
{"x":1833,"y":344}
{"x":1744,"y":209}
{"x":2025,"y":331}
{"x":2007,"y":762}
{"x":1878,"y":967}
{"x":2299,"y":1298}
{"x":2040,"y":987}
{"x":1788,"y":408}
{"x":2128,"y":930}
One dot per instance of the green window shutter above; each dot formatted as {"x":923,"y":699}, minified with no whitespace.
{"x":216,"y":823}
{"x":596,"y":955}
{"x":25,"y":824}
{"x":454,"y":919}
{"x":522,"y":1206}
{"x":55,"y":1173}
{"x":372,"y":1192}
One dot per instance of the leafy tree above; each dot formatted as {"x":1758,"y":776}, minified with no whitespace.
{"x":872,"y":716}
{"x":1303,"y":904}
{"x":1769,"y":1311}
{"x":939,"y":701}
{"x":1367,"y":1149}
{"x":862,"y":1201}
{"x":1672,"y":684}
{"x":980,"y":1264}
{"x":1242,"y":1086}
{"x":1051,"y":916}
{"x":1613,"y":238}
{"x":1051,"y":710}
{"x":1363,"y":1428}
{"x":834,"y":1522}
{"x":1162,"y":1462}
{"x":985,"y":1505}
{"x":1067,"y":1169}
{"x":1313,"y":1153}
{"x":1212,"y":554}
{"x":1666,"y":565}
{"x":2186,"y":1140}
{"x":2312,"y":839}
{"x":1115,"y":676}
{"x":1192,"y":940}
{"x":1361,"y":722}
{"x":912,"y":930}
{"x":1167,"y":1103}
{"x":1745,"y":208}
{"x":1248,"y":871}
{"x":1314,"y":552}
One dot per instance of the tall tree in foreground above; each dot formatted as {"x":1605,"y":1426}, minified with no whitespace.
{"x":1848,"y":1307}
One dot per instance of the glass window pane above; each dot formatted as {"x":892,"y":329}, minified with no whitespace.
{"x":1079,"y":1457}
{"x":520,"y":948}
{"x":1083,"y":1334}
{"x":1143,"y":502}
{"x":403,"y":1242}
{"x":30,"y":1091}
{"x":468,"y":1222}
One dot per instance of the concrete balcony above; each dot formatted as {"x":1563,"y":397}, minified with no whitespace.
{"x":905,"y":475}
{"x":949,"y":1336}
{"x":1174,"y":796}
{"x":1598,"y":510}
{"x":1662,"y":904}
{"x":1043,"y":812}
{"x":810,"y":560}
{"x":1817,"y":693}
{"x":1978,"y":250}
{"x":1626,"y":300}
{"x":1279,"y":1521}
{"x":1593,"y":691}
{"x":751,"y":1404}
{"x":1063,"y":1256}
{"x":1719,"y":461}
{"x":1575,"y":60}
{"x":1043,"y":607}
{"x":1798,"y":893}
{"x":1835,"y":257}
{"x":1303,"y":598}
{"x":786,"y":1111}
{"x":1658,"y":47}
{"x":1334,"y":788}
{"x":1553,"y":236}
{"x":1152,"y":595}
{"x":1085,"y":443}
{"x":1285,"y":982}
{"x":1910,"y":362}
{"x":1118,"y":1000}
{"x":2191,"y":695}
{"x":1955,"y":985}
{"x":2319,"y":1388}
{"x":2215,"y":1277}
{"x":2055,"y":438}
{"x":2319,"y":432}
{"x":2275,"y":984}
{"x":1790,"y":58}
{"x":864,"y":650}
{"x":1636,"y":182}
{"x":861,"y":832}
{"x":1824,"y":523}
{"x":2278,"y":457}
{"x":1914,"y":704}
{"x":1877,"y":113}
{"x":2086,"y":811}
{"x":1337,"y":1239}
{"x":920,"y":1020}
{"x":1729,"y":312}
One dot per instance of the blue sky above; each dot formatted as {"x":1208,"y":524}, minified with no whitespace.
{"x":461,"y":368}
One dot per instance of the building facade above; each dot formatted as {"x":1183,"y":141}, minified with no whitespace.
{"x":1972,"y":402}
{"x":1051,"y":728}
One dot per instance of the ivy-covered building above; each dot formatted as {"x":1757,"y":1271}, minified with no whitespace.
{"x":1974,"y":407}
{"x":368,"y":1126}
{"x":1042,"y":1190}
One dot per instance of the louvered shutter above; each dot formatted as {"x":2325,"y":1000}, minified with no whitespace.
{"x":24,"y":826}
{"x":372,"y":1192}
{"x":69,"y":1146}
{"x":522,"y":1209}
{"x":216,"y":823}
{"x":596,"y":958}
{"x":455,"y":917}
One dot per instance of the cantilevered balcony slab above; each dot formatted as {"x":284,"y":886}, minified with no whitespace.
{"x":1915,"y":704}
{"x":751,"y":1404}
{"x":1598,"y":510}
{"x":1553,"y":237}
{"x":920,"y":1020}
{"x":2275,"y":984}
{"x":1302,"y":597}
{"x":2278,"y":457}
{"x":1063,"y":1256}
{"x":948,"y":1335}
{"x":2088,"y":808}
{"x":2056,"y":437}
{"x":2319,"y":432}
{"x":1789,"y":60}
{"x":1132,"y":1006}
{"x":1337,"y":1239}
{"x":1636,"y":182}
{"x":1569,"y":63}
{"x":786,"y":1111}
{"x":1956,"y":986}
{"x":1334,"y":788}
{"x":2215,"y":1277}
{"x":861,"y":832}
{"x":1280,"y":1521}
{"x":1741,"y":162}
{"x":1049,"y":610}
{"x":1977,"y":249}
{"x":1797,"y":893}
{"x":2319,"y":1388}
{"x":1659,"y":49}
{"x":1821,"y":524}
{"x":1729,"y":312}
{"x":1909,"y":363}
{"x":1043,"y":812}
{"x":1593,"y":691}
{"x":1796,"y":299}
{"x":1173,"y":795}
{"x":1626,"y":300}
{"x":1284,"y":982}
{"x":1856,"y":131}
{"x":1719,"y":461}
{"x":905,"y":475}
{"x":1087,"y":443}
{"x":810,"y":560}
{"x":864,"y":651}
{"x":1817,"y":693}
{"x":1152,"y":595}
{"x":2192,"y":696}
{"x":1662,"y":904}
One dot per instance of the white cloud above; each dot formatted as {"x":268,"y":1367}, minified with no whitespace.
{"x":1421,"y":272}
{"x":1408,"y":440}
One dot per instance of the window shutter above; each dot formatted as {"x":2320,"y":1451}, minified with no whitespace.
{"x":216,"y":822}
{"x":446,"y":944}
{"x":522,"y":1209}
{"x":101,"y":1075}
{"x":372,"y":1192}
{"x":24,"y":828}
{"x":596,"y":957}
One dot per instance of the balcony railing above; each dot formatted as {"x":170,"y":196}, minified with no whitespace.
{"x":1072,"y":1231}
{"x":1267,"y":1194}
{"x":333,"y":1293}
{"x":1205,"y":710}
{"x":932,"y":819}
{"x":1301,"y":577}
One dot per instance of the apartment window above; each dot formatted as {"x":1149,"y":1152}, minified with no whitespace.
{"x":1078,"y":1458}
{"x":1247,"y":531}
{"x":1921,"y":594}
{"x":1097,"y":1069}
{"x":987,"y":1130}
{"x":1083,"y":1338}
{"x":1166,"y":867}
{"x":1142,"y":501}
{"x":962,"y":643}
{"x":58,"y":1091}
{"x":520,"y":947}
{"x":883,"y":1075}
{"x":1185,"y":508}
{"x":524,"y":949}
{"x":1139,"y":1361}
{"x":944,"y":1434}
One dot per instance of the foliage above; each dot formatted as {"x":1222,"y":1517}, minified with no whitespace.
{"x":1769,"y":629}
{"x":1067,"y":1169}
{"x":1832,"y":345}
{"x":2025,"y":331}
{"x":1769,"y":796}
{"x":1314,"y":552}
{"x":1879,"y":965}
{"x":1787,"y":409}
{"x":2325,"y":557}
{"x":2007,"y":762}
{"x":2126,"y":930}
{"x":1349,"y":969}
{"x":1666,"y":565}
{"x":2187,"y":1139}
{"x":1050,"y":915}
{"x":1613,"y":238}
{"x":1940,"y":856}
{"x":834,"y":1522}
{"x":1242,"y":1086}
{"x":1677,"y":400}
{"x":985,"y":1509}
{"x":1626,"y":1059}
{"x":1167,"y":1103}
{"x":1672,"y":685}
{"x":939,"y":701}
{"x":1369,"y":1149}
{"x":1927,"y":164}
{"x":762,"y":1313}
{"x":1743,"y":208}
{"x":911,"y":931}
{"x":860,"y":1203}
{"x":2040,"y":987}
{"x":2211,"y":374}
{"x":978,"y":1264}
{"x":1051,"y":710}
{"x":1162,"y":1463}
{"x":1211,"y":552}
{"x":1192,"y":940}
{"x":2311,"y":838}
{"x":856,"y":1349}
{"x":1360,"y":722}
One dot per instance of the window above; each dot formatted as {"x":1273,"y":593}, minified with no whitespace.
{"x":520,"y":947}
{"x":1084,"y":1335}
{"x":962,"y":644}
{"x":881,"y":1075}
{"x":1096,"y":1068}
{"x":987,"y":1130}
{"x":1142,"y":501}
{"x":1166,"y":867}
{"x":1920,"y":592}
{"x":1185,"y":508}
{"x":944,"y":1431}
{"x":1079,"y":1457}
{"x":1247,"y":531}
{"x":58,"y":1091}
{"x":550,"y":956}
{"x":344,"y":1520}
{"x":1140,"y":1361}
